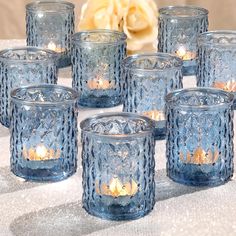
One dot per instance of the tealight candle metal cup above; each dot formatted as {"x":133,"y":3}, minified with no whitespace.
{"x":179,"y":27}
{"x":50,"y":24}
{"x":217,"y":62}
{"x":24,"y":66}
{"x":96,"y":67}
{"x":43,"y":132}
{"x":148,"y":79}
{"x":200,"y":136}
{"x":118,"y":165}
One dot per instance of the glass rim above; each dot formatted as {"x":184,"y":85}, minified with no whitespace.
{"x":149,"y":130}
{"x":169,"y":98}
{"x":53,"y":54}
{"x":202,"y":11}
{"x":130,"y":59}
{"x":123,"y":36}
{"x":202,"y":38}
{"x":32,"y":6}
{"x":75,"y":95}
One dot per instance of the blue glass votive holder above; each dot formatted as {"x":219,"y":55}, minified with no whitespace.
{"x":96,"y":67}
{"x":118,"y":166}
{"x":148,"y":78}
{"x":50,"y":24}
{"x":179,"y":27}
{"x":217,"y":62}
{"x":200,"y":136}
{"x":23,"y":66}
{"x":43,"y":132}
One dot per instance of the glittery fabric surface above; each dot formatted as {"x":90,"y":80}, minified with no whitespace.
{"x":50,"y":209}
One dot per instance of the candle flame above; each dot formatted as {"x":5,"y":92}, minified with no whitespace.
{"x":181,"y":51}
{"x":40,"y":15}
{"x":99,"y":83}
{"x":184,"y":54}
{"x":52,"y":46}
{"x":117,"y":189}
{"x":155,"y":115}
{"x":199,"y":156}
{"x":41,"y":153}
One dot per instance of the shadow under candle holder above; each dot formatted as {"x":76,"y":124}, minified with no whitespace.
{"x":166,"y":188}
{"x":72,"y":219}
{"x":10,"y":183}
{"x":67,"y":219}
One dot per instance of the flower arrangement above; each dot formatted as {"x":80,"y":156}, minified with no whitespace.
{"x":136,"y":18}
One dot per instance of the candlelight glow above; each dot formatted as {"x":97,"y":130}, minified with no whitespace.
{"x":199,"y":156}
{"x":184,"y":54}
{"x":52,"y":46}
{"x":229,"y":86}
{"x":116,"y":188}
{"x":41,"y":153}
{"x":155,"y":115}
{"x":99,"y":83}
{"x":40,"y":15}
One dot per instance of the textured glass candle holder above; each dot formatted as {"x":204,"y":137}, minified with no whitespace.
{"x":96,"y":67}
{"x":148,"y":78}
{"x":118,"y":166}
{"x":43,"y":132}
{"x":50,"y":24}
{"x":217,"y":60}
{"x":179,"y":27}
{"x":200,"y":136}
{"x":23,"y":66}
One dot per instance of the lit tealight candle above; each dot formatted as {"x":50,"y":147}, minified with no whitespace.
{"x":155,"y":115}
{"x":41,"y":153}
{"x":52,"y":46}
{"x":184,"y":54}
{"x":117,"y":189}
{"x":199,"y":156}
{"x":99,"y":83}
{"x":229,"y":86}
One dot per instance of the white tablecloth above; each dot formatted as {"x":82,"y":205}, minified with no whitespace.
{"x":50,"y":209}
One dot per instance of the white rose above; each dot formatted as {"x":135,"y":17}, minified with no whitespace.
{"x":136,"y":18}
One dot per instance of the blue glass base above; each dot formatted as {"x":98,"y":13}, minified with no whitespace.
{"x":116,"y":212}
{"x":63,"y":61}
{"x":189,"y":68}
{"x":100,"y":102}
{"x":198,"y":178}
{"x":160,"y":130}
{"x":42,"y":174}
